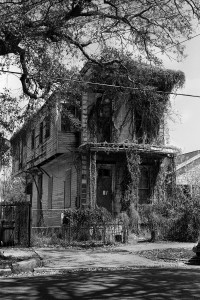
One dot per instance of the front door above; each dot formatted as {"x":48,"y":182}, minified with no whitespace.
{"x":105,"y":186}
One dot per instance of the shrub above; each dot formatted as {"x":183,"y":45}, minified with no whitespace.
{"x":176,"y":221}
{"x":81,"y":217}
{"x":153,"y":220}
{"x":185,"y":226}
{"x":134,"y":219}
{"x":86,"y":224}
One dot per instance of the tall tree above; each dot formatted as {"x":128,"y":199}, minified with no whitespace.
{"x":38,"y":35}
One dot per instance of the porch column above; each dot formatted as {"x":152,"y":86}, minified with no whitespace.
{"x":84,"y":117}
{"x":93,"y":179}
{"x":84,"y":180}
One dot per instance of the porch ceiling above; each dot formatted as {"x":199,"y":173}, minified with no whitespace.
{"x":123,"y":147}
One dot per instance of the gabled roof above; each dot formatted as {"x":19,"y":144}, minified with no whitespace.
{"x":185,"y":159}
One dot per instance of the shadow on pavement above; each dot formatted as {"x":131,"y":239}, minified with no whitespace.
{"x":113,"y":284}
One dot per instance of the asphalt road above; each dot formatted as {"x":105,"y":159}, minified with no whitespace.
{"x":134,"y":284}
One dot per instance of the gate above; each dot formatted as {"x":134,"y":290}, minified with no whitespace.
{"x":15,"y":224}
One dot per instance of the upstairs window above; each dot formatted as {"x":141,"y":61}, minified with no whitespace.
{"x":104,"y":121}
{"x":21,"y":153}
{"x":33,"y":139}
{"x":144,"y":185}
{"x":41,"y":133}
{"x":70,"y":117}
{"x":47,"y":127}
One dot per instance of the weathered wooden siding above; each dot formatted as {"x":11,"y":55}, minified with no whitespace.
{"x":58,"y":142}
{"x":48,"y":147}
{"x":57,"y":169}
{"x":32,"y":156}
{"x":66,"y":141}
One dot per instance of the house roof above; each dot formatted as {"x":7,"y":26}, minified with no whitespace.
{"x":186,"y":159}
{"x":120,"y":147}
{"x":132,"y":73}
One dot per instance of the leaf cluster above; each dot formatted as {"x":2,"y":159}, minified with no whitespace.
{"x":32,"y":30}
{"x":145,"y":90}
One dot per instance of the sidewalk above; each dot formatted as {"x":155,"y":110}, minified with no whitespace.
{"x":60,"y":259}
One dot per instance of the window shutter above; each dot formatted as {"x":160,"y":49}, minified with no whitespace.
{"x":67,"y":189}
{"x":50,"y":192}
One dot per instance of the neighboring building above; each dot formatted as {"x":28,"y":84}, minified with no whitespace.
{"x":117,"y":155}
{"x":188,"y":171}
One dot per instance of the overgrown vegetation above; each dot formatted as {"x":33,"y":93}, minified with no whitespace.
{"x":146,"y":102}
{"x":174,"y":221}
{"x":37,"y":35}
{"x":84,"y":228}
{"x":95,"y":225}
{"x":13,"y":189}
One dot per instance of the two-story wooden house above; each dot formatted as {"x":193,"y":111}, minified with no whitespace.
{"x":115,"y":157}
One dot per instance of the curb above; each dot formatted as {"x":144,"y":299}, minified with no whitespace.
{"x":41,"y":270}
{"x":28,"y":265}
{"x":5,"y":272}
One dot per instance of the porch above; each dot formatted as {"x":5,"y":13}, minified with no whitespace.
{"x":120,"y":174}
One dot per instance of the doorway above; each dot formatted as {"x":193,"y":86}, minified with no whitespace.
{"x":105,"y":186}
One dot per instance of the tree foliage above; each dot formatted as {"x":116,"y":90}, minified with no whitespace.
{"x":40,"y":34}
{"x":13,"y":190}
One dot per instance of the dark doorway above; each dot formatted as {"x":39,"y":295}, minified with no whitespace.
{"x":105,"y":186}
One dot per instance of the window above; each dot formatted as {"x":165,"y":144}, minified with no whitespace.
{"x":144,"y":185}
{"x":50,"y":192}
{"x":104,"y":172}
{"x":69,"y":116}
{"x":40,"y":185}
{"x":33,"y":139}
{"x":21,"y":154}
{"x":41,"y":133}
{"x":24,"y":140}
{"x":67,"y":188}
{"x":47,"y":126}
{"x":104,"y":119}
{"x":29,"y":188}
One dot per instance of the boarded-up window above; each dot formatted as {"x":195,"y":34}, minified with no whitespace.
{"x":67,"y":189}
{"x":50,"y":192}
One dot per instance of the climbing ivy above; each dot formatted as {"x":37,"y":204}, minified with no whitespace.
{"x":142,"y":88}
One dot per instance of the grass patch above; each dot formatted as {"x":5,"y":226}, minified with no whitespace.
{"x":167,"y":255}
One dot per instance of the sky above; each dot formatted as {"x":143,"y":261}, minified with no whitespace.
{"x":184,"y":128}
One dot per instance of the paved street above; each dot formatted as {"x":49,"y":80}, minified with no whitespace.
{"x":128,"y":284}
{"x":114,"y":257}
{"x":130,"y":277}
